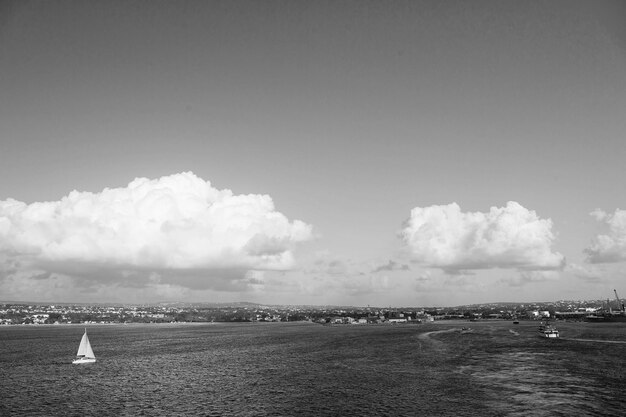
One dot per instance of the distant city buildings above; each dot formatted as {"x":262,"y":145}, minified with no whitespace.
{"x":38,"y":314}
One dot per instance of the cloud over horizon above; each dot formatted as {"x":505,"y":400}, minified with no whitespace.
{"x":391,"y":266}
{"x":174,"y":223}
{"x":442,"y":236}
{"x":610,"y":247}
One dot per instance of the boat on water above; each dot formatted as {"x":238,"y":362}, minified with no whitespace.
{"x":85,"y":353}
{"x":549,"y":331}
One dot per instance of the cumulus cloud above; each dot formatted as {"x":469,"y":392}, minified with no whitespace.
{"x":174,"y":223}
{"x":599,"y":214}
{"x":442,"y":236}
{"x":610,"y":247}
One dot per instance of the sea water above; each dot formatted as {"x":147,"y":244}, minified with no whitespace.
{"x":490,"y":368}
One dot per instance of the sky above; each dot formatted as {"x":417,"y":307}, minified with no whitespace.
{"x":396,"y":153}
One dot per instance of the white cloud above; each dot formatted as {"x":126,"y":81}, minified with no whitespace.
{"x":610,"y":247}
{"x":505,"y":237}
{"x":174,"y":223}
{"x":599,"y":214}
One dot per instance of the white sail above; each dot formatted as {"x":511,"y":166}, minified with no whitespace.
{"x":84,"y":350}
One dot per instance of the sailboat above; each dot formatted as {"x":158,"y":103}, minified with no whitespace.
{"x":85,"y":353}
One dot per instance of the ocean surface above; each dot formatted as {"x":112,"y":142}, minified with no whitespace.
{"x":492,"y":368}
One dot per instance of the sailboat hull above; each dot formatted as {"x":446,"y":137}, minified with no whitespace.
{"x":80,"y":361}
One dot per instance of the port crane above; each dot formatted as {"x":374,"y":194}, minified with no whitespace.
{"x":620,"y":305}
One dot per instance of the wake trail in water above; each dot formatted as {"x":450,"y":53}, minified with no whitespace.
{"x":619,"y":342}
